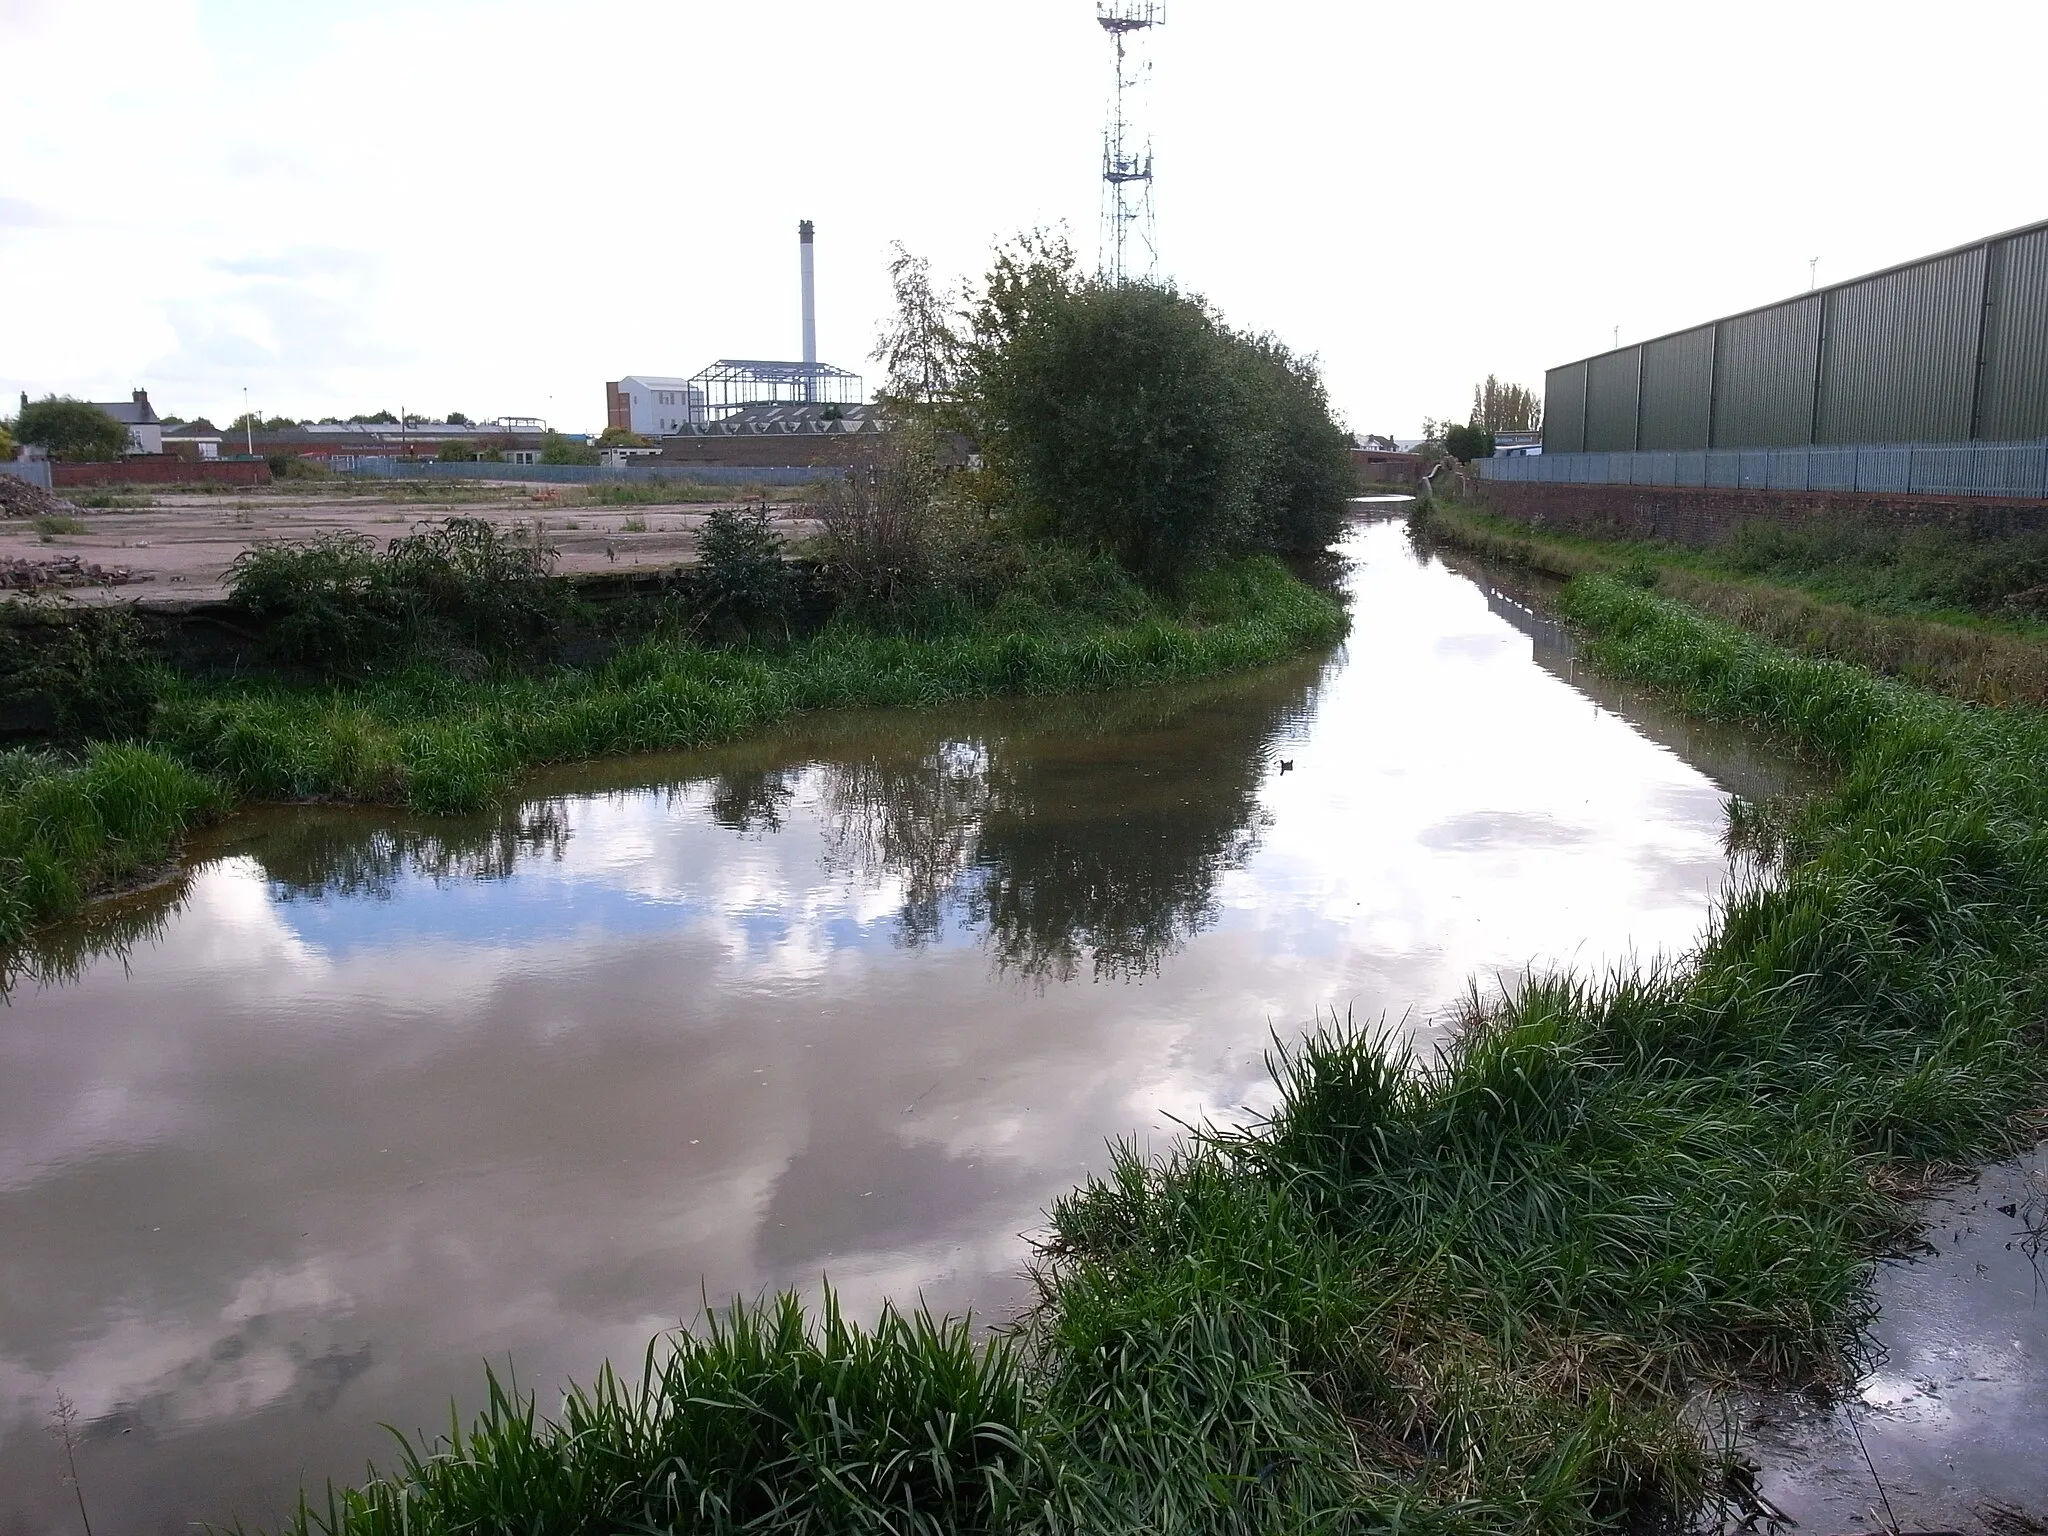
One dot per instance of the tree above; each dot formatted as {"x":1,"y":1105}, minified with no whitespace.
{"x":455,"y":453}
{"x":1297,"y":457}
{"x":1502,"y":407}
{"x":8,"y":447}
{"x":1466,"y":443}
{"x":457,"y":419}
{"x":71,"y":429}
{"x":621,"y":437}
{"x":557,"y":449}
{"x":374,"y":419}
{"x":1101,"y":401}
{"x":923,"y":348}
{"x":1127,"y":416}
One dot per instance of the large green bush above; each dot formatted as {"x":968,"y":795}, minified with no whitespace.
{"x":1128,"y":417}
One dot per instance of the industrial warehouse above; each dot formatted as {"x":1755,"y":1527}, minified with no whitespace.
{"x":1926,"y":378}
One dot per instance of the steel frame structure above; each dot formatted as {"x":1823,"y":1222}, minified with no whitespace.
{"x":1126,"y":168}
{"x":732,"y":384}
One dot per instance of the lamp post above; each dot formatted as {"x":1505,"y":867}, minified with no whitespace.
{"x":248,"y":423}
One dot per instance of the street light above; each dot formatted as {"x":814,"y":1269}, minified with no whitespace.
{"x":248,"y":423}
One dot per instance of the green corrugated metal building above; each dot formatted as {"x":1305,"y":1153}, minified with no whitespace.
{"x":1950,"y":348}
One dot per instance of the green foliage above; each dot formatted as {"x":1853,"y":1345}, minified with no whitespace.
{"x":70,"y":827}
{"x":768,"y":1423}
{"x":1499,"y":407}
{"x":1102,"y":403}
{"x":1917,"y":570}
{"x":1127,"y":417}
{"x":70,"y":429}
{"x":620,"y":437}
{"x":457,"y":419}
{"x":52,"y":524}
{"x":740,"y":567}
{"x":885,"y":539}
{"x":439,"y":744}
{"x":557,"y":449}
{"x":10,"y":450}
{"x":73,"y":673}
{"x":1297,"y":458}
{"x":337,"y":604}
{"x":1466,"y":443}
{"x":456,"y":452}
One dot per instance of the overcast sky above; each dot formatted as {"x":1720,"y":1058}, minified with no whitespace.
{"x":497,"y":207}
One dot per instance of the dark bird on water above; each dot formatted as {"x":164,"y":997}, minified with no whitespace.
{"x":1287,"y":765}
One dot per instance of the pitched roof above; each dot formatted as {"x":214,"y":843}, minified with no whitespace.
{"x":137,"y":412}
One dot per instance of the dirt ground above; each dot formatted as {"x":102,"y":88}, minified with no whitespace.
{"x":177,"y":546}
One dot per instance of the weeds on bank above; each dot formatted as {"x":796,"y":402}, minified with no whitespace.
{"x":440,"y":744}
{"x":1473,"y":1293}
{"x":1986,"y":659}
{"x":70,"y":826}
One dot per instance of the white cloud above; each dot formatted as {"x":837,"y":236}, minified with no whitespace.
{"x":538,"y":200}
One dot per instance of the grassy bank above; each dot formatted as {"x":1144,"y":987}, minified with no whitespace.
{"x":1469,"y":1294}
{"x":71,"y":826}
{"x":428,"y":739}
{"x":1820,"y":594}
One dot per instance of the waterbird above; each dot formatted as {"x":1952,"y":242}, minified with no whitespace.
{"x":1287,"y":765}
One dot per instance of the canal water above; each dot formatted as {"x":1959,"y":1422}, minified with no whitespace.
{"x":292,"y":1146}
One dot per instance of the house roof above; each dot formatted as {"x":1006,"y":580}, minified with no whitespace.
{"x":130,"y":413}
{"x":655,"y":381}
{"x":188,"y":431}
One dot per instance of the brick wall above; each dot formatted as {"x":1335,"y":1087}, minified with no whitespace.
{"x":162,"y":470}
{"x":1703,"y":516}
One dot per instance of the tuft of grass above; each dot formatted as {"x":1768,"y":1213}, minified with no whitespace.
{"x":71,"y":826}
{"x":768,"y":1422}
{"x":51,"y":524}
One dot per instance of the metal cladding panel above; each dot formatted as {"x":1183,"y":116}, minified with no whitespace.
{"x":1611,"y":380}
{"x":1678,"y":390}
{"x":1763,"y":376}
{"x":1899,"y":361}
{"x":2012,"y":398}
{"x":1564,"y":409}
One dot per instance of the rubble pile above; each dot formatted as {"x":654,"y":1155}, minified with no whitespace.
{"x":20,"y":499}
{"x":33,"y":575}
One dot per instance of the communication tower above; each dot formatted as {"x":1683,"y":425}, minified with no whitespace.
{"x":1126,"y":162}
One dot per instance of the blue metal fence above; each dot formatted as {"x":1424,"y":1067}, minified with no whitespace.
{"x":1925,"y":469}
{"x":34,"y":471}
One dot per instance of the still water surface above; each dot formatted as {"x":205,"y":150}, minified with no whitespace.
{"x":291,"y":1147}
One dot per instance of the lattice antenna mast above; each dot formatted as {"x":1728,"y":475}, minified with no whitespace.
{"x":1126,"y":161}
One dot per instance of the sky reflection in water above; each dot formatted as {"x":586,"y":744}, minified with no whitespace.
{"x":367,"y":1099}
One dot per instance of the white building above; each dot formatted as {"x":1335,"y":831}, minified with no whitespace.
{"x":652,"y":405}
{"x":145,"y":432}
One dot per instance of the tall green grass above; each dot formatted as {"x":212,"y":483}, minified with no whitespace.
{"x":71,"y":826}
{"x":767,"y":1422}
{"x":440,"y":744}
{"x":1473,"y":1293}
